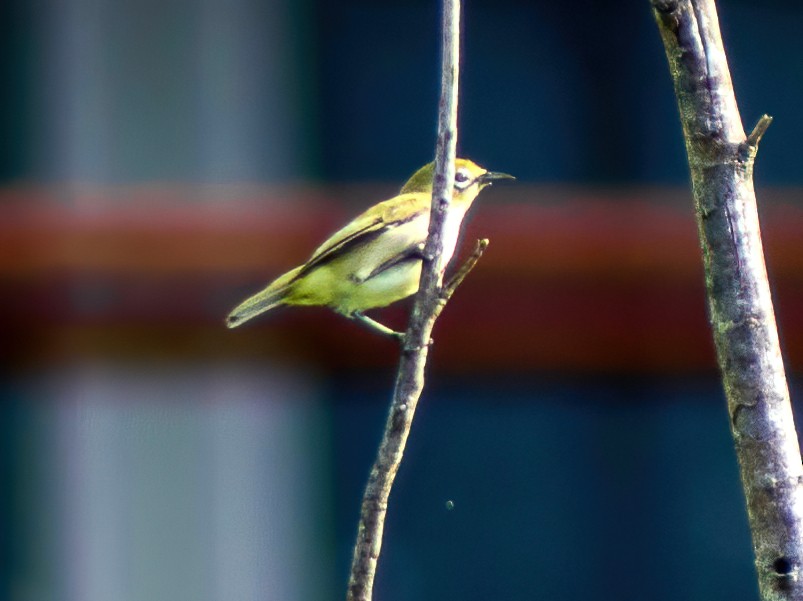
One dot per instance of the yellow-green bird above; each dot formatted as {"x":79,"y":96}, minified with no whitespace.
{"x":376,"y":259}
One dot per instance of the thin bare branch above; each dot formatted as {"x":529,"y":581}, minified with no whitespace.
{"x":427,"y":307}
{"x":465,"y":269}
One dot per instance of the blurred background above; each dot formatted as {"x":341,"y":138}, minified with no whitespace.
{"x":159,"y":161}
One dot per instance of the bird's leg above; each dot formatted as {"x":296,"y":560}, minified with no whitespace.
{"x":374,"y":325}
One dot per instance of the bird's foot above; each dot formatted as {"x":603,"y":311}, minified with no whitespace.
{"x":411,"y":348}
{"x":381,"y":328}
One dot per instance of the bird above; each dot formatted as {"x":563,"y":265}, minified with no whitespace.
{"x":376,"y":259}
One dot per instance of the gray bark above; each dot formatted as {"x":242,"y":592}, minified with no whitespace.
{"x":721,"y":161}
{"x":429,"y":302}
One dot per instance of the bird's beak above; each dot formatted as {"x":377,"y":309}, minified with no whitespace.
{"x":489,"y":177}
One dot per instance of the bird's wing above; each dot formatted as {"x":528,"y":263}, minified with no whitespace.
{"x":365,"y":227}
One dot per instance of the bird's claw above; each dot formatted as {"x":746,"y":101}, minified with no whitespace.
{"x":412,"y":348}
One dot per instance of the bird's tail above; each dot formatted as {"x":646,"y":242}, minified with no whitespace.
{"x":271,"y":297}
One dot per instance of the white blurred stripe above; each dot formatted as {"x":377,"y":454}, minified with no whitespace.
{"x":189,"y":483}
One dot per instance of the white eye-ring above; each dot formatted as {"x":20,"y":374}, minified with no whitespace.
{"x":462,"y":179}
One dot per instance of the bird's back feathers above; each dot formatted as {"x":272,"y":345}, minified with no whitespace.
{"x":366,"y":226}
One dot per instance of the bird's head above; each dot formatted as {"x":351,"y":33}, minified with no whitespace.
{"x":469,"y":179}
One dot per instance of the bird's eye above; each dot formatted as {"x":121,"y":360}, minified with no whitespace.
{"x":461,"y":177}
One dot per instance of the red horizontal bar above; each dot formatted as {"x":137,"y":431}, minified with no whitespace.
{"x":573,"y":278}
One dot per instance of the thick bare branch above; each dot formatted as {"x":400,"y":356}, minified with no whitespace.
{"x":721,"y":162}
